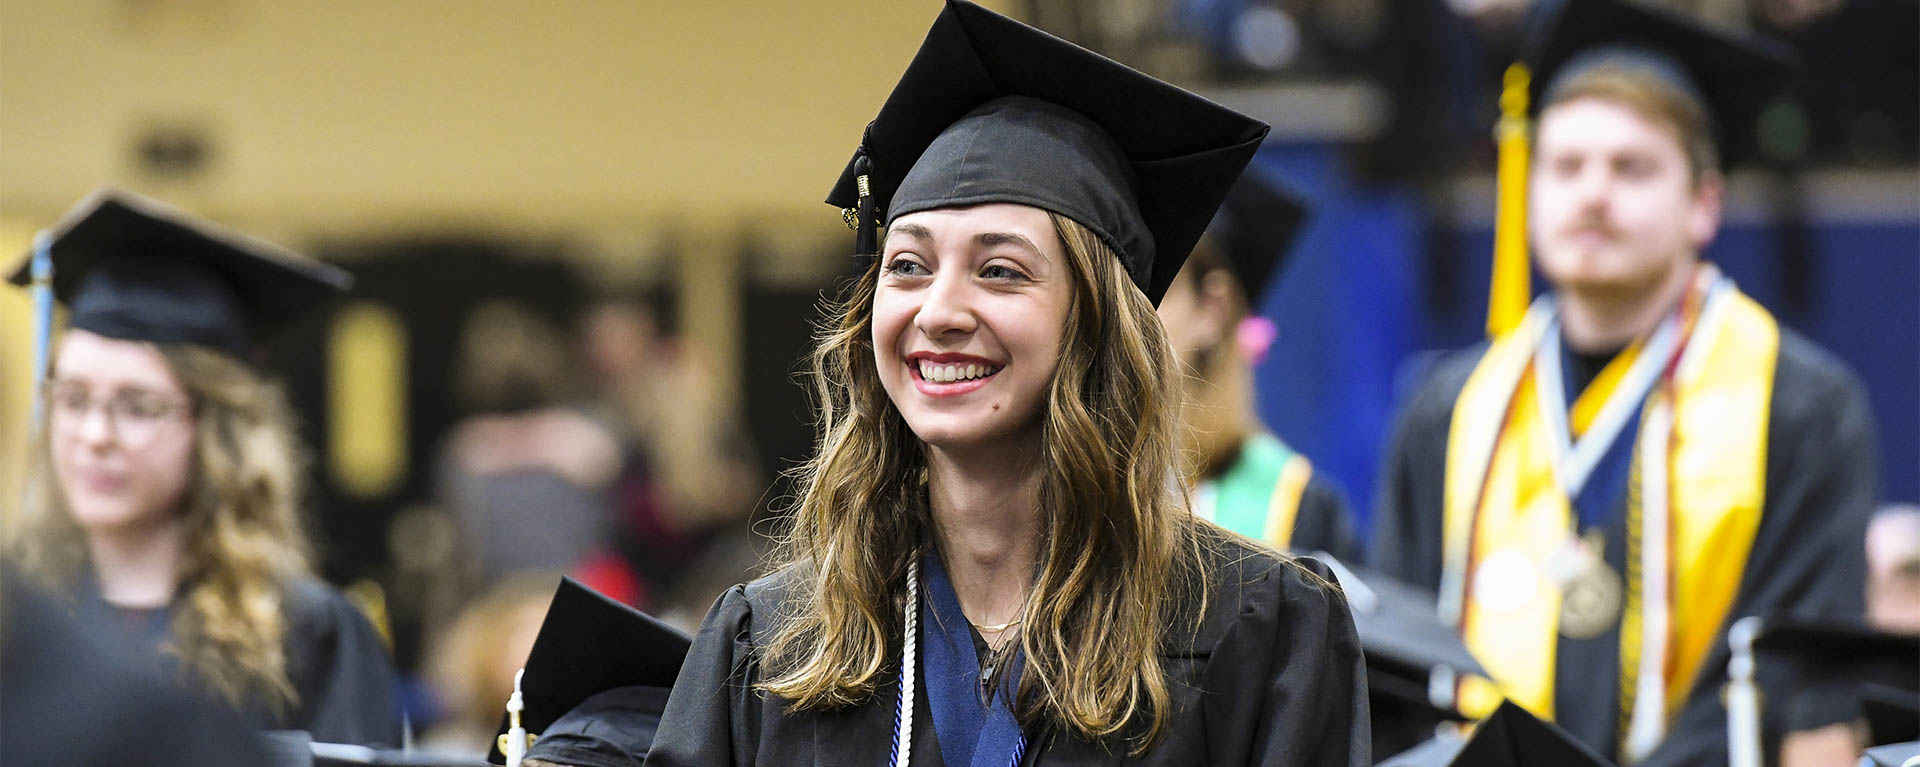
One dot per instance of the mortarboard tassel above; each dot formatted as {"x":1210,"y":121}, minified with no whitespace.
{"x":867,"y":227}
{"x":513,"y":745}
{"x":1508,"y":293}
{"x":863,"y":218}
{"x":42,"y":273}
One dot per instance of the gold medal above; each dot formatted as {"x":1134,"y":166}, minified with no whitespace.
{"x":1590,"y":592}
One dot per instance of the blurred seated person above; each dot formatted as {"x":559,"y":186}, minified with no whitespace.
{"x":473,"y":662}
{"x":166,"y":470}
{"x":1893,"y":605}
{"x":525,"y":478}
{"x":1893,"y":569}
{"x":1249,"y":481}
{"x":688,"y":479}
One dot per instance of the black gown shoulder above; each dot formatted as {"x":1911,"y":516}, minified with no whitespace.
{"x":1267,"y":671}
{"x":340,"y":668}
{"x":1407,"y":511}
{"x":1325,"y":521}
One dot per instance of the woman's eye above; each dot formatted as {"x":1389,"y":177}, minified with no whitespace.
{"x":904,"y":267}
{"x":143,"y":408}
{"x":71,"y":398}
{"x":1001,"y":272}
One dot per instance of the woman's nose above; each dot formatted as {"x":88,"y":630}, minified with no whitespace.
{"x":948,"y":307}
{"x":96,"y":425}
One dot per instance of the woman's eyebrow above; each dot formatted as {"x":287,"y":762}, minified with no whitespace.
{"x":996,"y":239}
{"x":915,"y":231}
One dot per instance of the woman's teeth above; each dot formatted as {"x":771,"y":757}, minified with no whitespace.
{"x":951,"y":373}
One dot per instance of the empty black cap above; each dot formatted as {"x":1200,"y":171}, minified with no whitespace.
{"x":614,"y":728}
{"x":993,"y":110}
{"x":588,"y":645}
{"x":1400,"y":626}
{"x":1511,"y":737}
{"x":135,"y":269}
{"x":1822,"y":671}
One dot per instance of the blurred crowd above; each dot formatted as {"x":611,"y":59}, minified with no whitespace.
{"x":598,"y":451}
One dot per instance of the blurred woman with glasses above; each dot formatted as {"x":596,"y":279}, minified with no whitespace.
{"x":162,"y":499}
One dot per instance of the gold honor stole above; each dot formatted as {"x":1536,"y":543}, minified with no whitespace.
{"x":1515,"y":459}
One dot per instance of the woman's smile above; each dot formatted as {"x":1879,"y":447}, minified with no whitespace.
{"x":950,"y":375}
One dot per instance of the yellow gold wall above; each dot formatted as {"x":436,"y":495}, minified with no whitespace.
{"x":599,"y":120}
{"x":349,"y":113}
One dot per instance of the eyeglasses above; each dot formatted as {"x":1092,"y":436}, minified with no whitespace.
{"x":135,"y":415}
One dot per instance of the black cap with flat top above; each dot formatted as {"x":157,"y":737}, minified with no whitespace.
{"x":992,"y":110}
{"x":1414,"y":661}
{"x":1255,"y":230}
{"x":596,"y":680}
{"x":132,"y":268}
{"x":1817,"y":672}
{"x":1511,"y":737}
{"x":1732,"y":74}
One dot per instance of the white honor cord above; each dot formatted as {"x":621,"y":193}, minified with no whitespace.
{"x":909,"y":658}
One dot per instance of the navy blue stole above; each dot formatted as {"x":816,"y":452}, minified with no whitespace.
{"x":974,"y":729}
{"x":1598,"y":503}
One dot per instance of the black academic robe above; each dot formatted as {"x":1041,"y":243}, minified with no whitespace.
{"x":337,"y":663}
{"x":1325,"y":522}
{"x":70,"y":695}
{"x":1807,"y":555}
{"x":1272,"y":676}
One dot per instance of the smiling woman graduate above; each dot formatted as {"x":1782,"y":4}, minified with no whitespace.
{"x":990,"y":561}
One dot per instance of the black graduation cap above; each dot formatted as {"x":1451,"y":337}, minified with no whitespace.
{"x":1892,"y":714}
{"x":1255,"y":229}
{"x":1400,"y":626}
{"x":1511,"y":737}
{"x":597,"y":677}
{"x":993,"y":110}
{"x":1821,"y":671}
{"x":1414,"y":661}
{"x":133,"y":268}
{"x":1734,"y":75}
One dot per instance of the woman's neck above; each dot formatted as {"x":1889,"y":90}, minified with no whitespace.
{"x":138,"y":568}
{"x":986,"y":520}
{"x":1219,"y":410}
{"x":1599,"y":321}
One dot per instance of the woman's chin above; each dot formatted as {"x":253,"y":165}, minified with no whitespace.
{"x":961,"y":435}
{"x":108,"y":516}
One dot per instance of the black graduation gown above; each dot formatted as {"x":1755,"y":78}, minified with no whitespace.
{"x":71,"y":696}
{"x":1808,"y":555}
{"x":335,"y":660}
{"x":1272,"y":676}
{"x":1325,"y":522}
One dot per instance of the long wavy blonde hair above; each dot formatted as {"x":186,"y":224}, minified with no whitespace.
{"x":242,"y":536}
{"x":1117,"y":532}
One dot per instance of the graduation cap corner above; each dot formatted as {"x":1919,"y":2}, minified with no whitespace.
{"x":595,"y":682}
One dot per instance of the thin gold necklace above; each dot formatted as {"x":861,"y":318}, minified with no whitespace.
{"x":998,"y":627}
